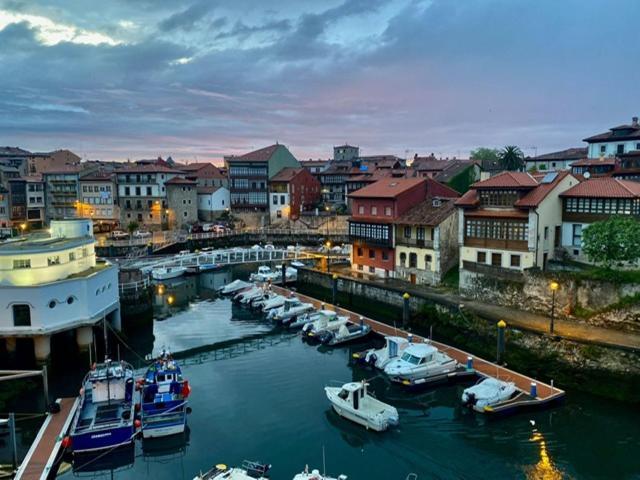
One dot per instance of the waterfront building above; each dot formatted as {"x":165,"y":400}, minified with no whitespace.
{"x":62,"y":192}
{"x":617,"y":141}
{"x":595,"y":167}
{"x":38,"y":163}
{"x":212,"y":202}
{"x":98,"y":201}
{"x":333,"y":183}
{"x":595,"y":200}
{"x":555,"y":161}
{"x":291,"y":191}
{"x":16,"y":158}
{"x":510,"y":222}
{"x":249,"y":176}
{"x":52,"y":283}
{"x":182,"y":203}
{"x":5,"y":220}
{"x":426,"y":240}
{"x":315,"y":166}
{"x":206,"y":174}
{"x":35,"y":202}
{"x":18,"y":202}
{"x":345,"y":153}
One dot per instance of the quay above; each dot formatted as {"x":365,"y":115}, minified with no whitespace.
{"x":532,"y":392}
{"x":44,"y":454}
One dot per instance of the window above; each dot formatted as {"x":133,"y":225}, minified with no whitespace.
{"x":361,"y":210}
{"x":385,"y":255}
{"x":275,"y":199}
{"x":403,"y":259}
{"x":496,"y":229}
{"x":387,"y":210}
{"x":546,"y":233}
{"x":603,"y":149}
{"x":577,"y":235}
{"x":498,"y":198}
{"x":374,"y":211}
{"x":413,"y":260}
{"x":360,"y":253}
{"x":372,"y":269}
{"x":21,"y":315}
{"x":149,"y":191}
{"x":137,"y":190}
{"x":72,"y":256}
{"x":427,"y":260}
{"x":482,"y":257}
{"x":420,"y":233}
{"x":359,"y":267}
{"x":407,"y":232}
{"x":637,"y":146}
{"x":620,"y":149}
{"x":496,"y":259}
{"x":515,"y":260}
{"x":372,"y":253}
{"x":127,"y":190}
{"x":22,"y":263}
{"x":53,"y":260}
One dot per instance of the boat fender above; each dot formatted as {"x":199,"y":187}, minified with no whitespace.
{"x":66,"y":442}
{"x":186,"y":389}
{"x":189,"y":410}
{"x":137,"y":424}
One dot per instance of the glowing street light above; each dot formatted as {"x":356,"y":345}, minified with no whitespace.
{"x":170,"y":299}
{"x":553,"y":286}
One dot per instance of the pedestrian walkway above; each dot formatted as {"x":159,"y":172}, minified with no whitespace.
{"x":515,"y":318}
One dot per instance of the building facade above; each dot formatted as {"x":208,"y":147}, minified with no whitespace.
{"x":345,"y":153}
{"x":212,"y":203}
{"x":62,"y":193}
{"x":205,"y":174}
{"x":98,"y":201}
{"x":182,"y":203}
{"x":292,"y":191}
{"x":35,"y":202}
{"x":617,"y":141}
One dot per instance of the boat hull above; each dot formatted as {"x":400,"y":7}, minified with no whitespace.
{"x":164,"y":430}
{"x":102,"y":439}
{"x":354,"y":417}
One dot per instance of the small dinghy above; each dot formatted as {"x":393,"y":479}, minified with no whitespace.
{"x":346,"y":333}
{"x":165,"y":273}
{"x":234,"y":287}
{"x":420,"y":361}
{"x":248,"y":471}
{"x":292,"y":307}
{"x":380,"y":358}
{"x":487,"y":393}
{"x":316,"y":475}
{"x":327,"y":321}
{"x":352,"y":402}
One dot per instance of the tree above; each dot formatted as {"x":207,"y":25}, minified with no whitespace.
{"x":614,"y":240}
{"x":488,"y":157}
{"x":132,"y":226}
{"x":511,"y":158}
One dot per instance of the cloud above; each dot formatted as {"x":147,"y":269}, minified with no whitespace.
{"x":242,"y":31}
{"x":187,"y":18}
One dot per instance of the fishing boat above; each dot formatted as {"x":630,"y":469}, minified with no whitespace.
{"x":328,"y":320}
{"x":165,"y":273}
{"x":164,"y":398}
{"x":420,"y":361}
{"x":234,"y":287}
{"x":274,"y":301}
{"x":105,"y":415}
{"x":487,"y":392}
{"x":248,"y":471}
{"x":316,"y":475}
{"x":348,"y":332}
{"x":380,"y":357}
{"x":291,"y":308}
{"x":353,"y":402}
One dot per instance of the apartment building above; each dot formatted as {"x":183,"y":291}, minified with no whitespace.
{"x":292,"y":191}
{"x":98,"y":201}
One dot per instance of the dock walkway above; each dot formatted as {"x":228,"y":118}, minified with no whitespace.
{"x":44,"y":451}
{"x":545,"y":393}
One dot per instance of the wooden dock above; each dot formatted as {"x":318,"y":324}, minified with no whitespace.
{"x":44,"y":452}
{"x":545,"y":393}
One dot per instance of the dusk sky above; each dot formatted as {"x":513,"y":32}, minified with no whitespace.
{"x":135,"y":79}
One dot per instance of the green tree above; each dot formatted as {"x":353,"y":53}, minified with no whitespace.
{"x":511,"y":158}
{"x":614,"y":240}
{"x":132,"y":226}
{"x":488,"y":157}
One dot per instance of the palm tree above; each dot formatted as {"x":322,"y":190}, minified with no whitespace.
{"x":511,"y":158}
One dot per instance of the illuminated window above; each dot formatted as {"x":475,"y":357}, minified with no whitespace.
{"x":22,"y":263}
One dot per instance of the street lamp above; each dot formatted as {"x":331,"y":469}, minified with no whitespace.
{"x":23,"y":227}
{"x":553,"y":286}
{"x":328,"y":245}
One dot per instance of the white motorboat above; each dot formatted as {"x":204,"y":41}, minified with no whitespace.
{"x":380,"y":357}
{"x":292,"y":307}
{"x":328,"y":320}
{"x":165,"y":273}
{"x":302,"y":320}
{"x":242,"y":294}
{"x":264,"y":274}
{"x":274,"y":301}
{"x":352,"y":402}
{"x":316,"y":475}
{"x":248,"y":471}
{"x":487,"y":393}
{"x":259,"y":302}
{"x":235,"y":287}
{"x":420,"y":361}
{"x":202,"y":267}
{"x":345,"y":333}
{"x":251,"y":295}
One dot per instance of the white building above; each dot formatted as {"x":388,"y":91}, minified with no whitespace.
{"x":49,"y":284}
{"x":212,"y":202}
{"x":617,"y":141}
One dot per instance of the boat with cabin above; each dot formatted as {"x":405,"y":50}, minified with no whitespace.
{"x":234,"y":287}
{"x":165,"y":273}
{"x":380,"y":357}
{"x":488,"y":392}
{"x":105,"y":415}
{"x":248,"y":471}
{"x":316,"y":475}
{"x":264,"y":274}
{"x":348,"y":332}
{"x":164,"y":398}
{"x":327,"y":320}
{"x":292,"y":308}
{"x":353,"y":402}
{"x":420,"y":361}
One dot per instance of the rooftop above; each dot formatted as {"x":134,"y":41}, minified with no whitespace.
{"x":180,"y":181}
{"x":388,"y":188}
{"x":287,"y":174}
{"x":41,"y":244}
{"x":604,"y":187}
{"x":207,"y":190}
{"x":585,"y":162}
{"x":508,"y":180}
{"x":621,"y":132}
{"x":568,"y":154}
{"x":147,"y":168}
{"x":431,"y":211}
{"x":260,"y":155}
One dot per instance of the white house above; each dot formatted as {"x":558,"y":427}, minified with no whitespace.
{"x":53,"y":283}
{"x":212,"y":202}
{"x":617,"y":141}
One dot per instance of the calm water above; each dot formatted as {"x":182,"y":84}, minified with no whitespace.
{"x":258,"y":394}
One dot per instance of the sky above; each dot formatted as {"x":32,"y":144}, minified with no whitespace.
{"x":199,"y":79}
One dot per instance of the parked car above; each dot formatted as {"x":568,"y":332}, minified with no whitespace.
{"x":269,"y":246}
{"x":141,"y":234}
{"x":219,"y":229}
{"x":119,"y":235}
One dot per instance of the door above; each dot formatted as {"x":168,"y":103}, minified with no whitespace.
{"x":557,"y":236}
{"x":356,"y":399}
{"x":412,"y":278}
{"x":544,"y":260}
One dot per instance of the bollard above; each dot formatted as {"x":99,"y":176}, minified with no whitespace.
{"x":405,"y":310}
{"x":469,"y":363}
{"x":334,"y":290}
{"x":284,"y":273}
{"x":534,"y":390}
{"x":361,"y":321}
{"x":410,"y":338}
{"x":500,"y":347}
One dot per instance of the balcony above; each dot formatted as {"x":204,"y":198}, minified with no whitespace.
{"x":497,"y":243}
{"x":493,"y":271}
{"x":414,"y":242}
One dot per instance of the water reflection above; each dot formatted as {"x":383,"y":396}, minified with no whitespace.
{"x":544,"y":469}
{"x":104,"y":463}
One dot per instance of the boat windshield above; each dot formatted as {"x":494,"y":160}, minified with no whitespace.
{"x":344,"y":394}
{"x":412,"y":359}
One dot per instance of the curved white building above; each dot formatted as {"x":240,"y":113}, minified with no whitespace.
{"x":53,"y":283}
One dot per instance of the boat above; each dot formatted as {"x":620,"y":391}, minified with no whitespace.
{"x":251,"y":295}
{"x":258,"y":303}
{"x":420,"y":361}
{"x":234,"y":287}
{"x":248,"y":471}
{"x":487,"y":392}
{"x":353,"y":402}
{"x":291,"y":308}
{"x":316,"y":475}
{"x":380,"y":357}
{"x":164,"y":398}
{"x":345,"y":333}
{"x":274,"y":301}
{"x":105,"y":415}
{"x":238,"y":297}
{"x":203,"y":267}
{"x":165,"y":273}
{"x":302,"y":320}
{"x":328,"y":320}
{"x":297,"y":264}
{"x":264,"y":274}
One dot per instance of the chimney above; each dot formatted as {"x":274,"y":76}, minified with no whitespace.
{"x":634,"y":122}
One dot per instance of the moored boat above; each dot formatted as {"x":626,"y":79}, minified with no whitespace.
{"x":165,"y":273}
{"x":274,"y":301}
{"x":380,"y":357}
{"x":316,"y":475}
{"x":420,"y":361}
{"x":248,"y":471}
{"x":242,"y":294}
{"x":345,"y":333}
{"x":234,"y":287}
{"x":292,"y":308}
{"x":487,"y":392}
{"x":328,"y":320}
{"x":202,"y":267}
{"x":353,"y":402}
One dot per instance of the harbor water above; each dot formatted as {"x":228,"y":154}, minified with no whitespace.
{"x":258,"y":395}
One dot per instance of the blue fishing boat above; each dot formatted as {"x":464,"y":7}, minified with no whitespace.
{"x":164,"y":398}
{"x":105,"y":416}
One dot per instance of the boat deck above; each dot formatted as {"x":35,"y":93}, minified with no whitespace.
{"x":43,"y":454}
{"x":545,"y":393}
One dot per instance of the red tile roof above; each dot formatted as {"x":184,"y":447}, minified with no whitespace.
{"x":425,"y":213}
{"x":287,"y":174}
{"x":180,"y":181}
{"x":438,"y":189}
{"x":604,"y":187}
{"x":387,"y":188}
{"x":538,"y":194}
{"x":148,"y":168}
{"x":508,"y":180}
{"x":469,"y":199}
{"x":207,"y":190}
{"x":261,"y":155}
{"x":594,"y":161}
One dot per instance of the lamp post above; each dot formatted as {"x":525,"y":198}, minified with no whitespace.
{"x":23,"y":227}
{"x":328,"y":245}
{"x":553,"y":286}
